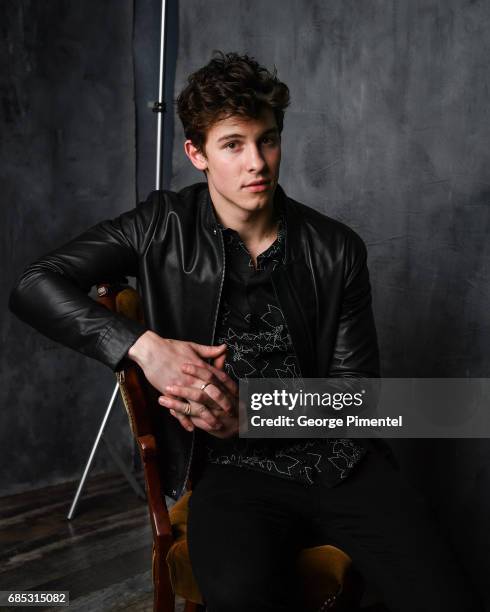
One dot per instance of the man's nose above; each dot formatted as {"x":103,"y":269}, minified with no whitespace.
{"x":255,"y":159}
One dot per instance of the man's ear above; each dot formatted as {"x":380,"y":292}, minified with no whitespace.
{"x":196,"y":156}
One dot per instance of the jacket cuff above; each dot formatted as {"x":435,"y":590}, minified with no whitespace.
{"x":116,"y":340}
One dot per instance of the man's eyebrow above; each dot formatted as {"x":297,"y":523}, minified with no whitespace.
{"x":228,"y":136}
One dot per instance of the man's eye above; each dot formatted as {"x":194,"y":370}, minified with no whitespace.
{"x":269,"y":140}
{"x":231,"y":145}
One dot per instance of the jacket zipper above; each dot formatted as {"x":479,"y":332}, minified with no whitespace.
{"x":189,"y":463}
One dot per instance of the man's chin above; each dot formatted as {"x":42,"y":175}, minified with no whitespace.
{"x":256,"y":201}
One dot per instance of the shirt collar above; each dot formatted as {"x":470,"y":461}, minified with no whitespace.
{"x":276,"y":250}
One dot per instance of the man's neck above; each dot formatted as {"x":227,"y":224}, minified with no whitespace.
{"x":255,"y":228}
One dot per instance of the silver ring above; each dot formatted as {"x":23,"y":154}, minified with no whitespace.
{"x":187,"y":409}
{"x":202,"y":387}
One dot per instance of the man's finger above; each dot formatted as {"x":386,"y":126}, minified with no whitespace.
{"x":224,"y":399}
{"x":217,"y":412}
{"x":223,"y":378}
{"x":219,"y":362}
{"x":184,"y":421}
{"x":183,"y":407}
{"x":208,"y":351}
{"x":190,"y":423}
{"x":207,"y":405}
{"x":215,"y":389}
{"x":213,"y":399}
{"x":203,"y":373}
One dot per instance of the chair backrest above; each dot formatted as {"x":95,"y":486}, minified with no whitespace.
{"x":145,"y":415}
{"x":125,"y":300}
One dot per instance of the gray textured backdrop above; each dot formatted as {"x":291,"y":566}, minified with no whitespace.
{"x":67,"y":159}
{"x":388,"y":131}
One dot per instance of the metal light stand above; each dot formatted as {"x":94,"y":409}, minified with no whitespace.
{"x":158,"y":107}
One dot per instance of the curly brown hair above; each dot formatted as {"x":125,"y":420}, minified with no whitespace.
{"x":230,"y":84}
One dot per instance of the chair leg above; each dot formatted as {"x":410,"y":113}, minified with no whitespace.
{"x":163,"y":595}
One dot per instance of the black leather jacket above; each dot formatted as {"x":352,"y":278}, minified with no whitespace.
{"x":172,"y":244}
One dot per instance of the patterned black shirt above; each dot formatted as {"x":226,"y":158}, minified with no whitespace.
{"x":252,"y":325}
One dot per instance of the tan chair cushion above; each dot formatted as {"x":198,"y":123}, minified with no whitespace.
{"x":128,"y":303}
{"x":322,"y":570}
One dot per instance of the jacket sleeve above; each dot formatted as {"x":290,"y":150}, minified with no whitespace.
{"x":356,"y":353}
{"x":51,"y":294}
{"x":356,"y":347}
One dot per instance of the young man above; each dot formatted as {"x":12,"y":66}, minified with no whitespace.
{"x":239,"y":281}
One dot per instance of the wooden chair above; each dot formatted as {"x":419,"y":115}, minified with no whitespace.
{"x":326,"y":578}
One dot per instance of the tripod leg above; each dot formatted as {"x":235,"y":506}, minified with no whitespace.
{"x":71,"y":513}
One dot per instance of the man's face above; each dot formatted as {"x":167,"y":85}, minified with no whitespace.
{"x":241,"y":159}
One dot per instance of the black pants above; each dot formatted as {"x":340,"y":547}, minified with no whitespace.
{"x":245,"y":529}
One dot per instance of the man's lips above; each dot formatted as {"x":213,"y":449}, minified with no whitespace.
{"x":257,"y":182}
{"x":258,"y":185}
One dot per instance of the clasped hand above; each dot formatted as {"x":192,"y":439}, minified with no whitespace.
{"x":179,"y":369}
{"x":213,"y":408}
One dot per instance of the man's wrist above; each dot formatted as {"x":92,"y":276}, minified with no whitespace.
{"x":142,"y":350}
